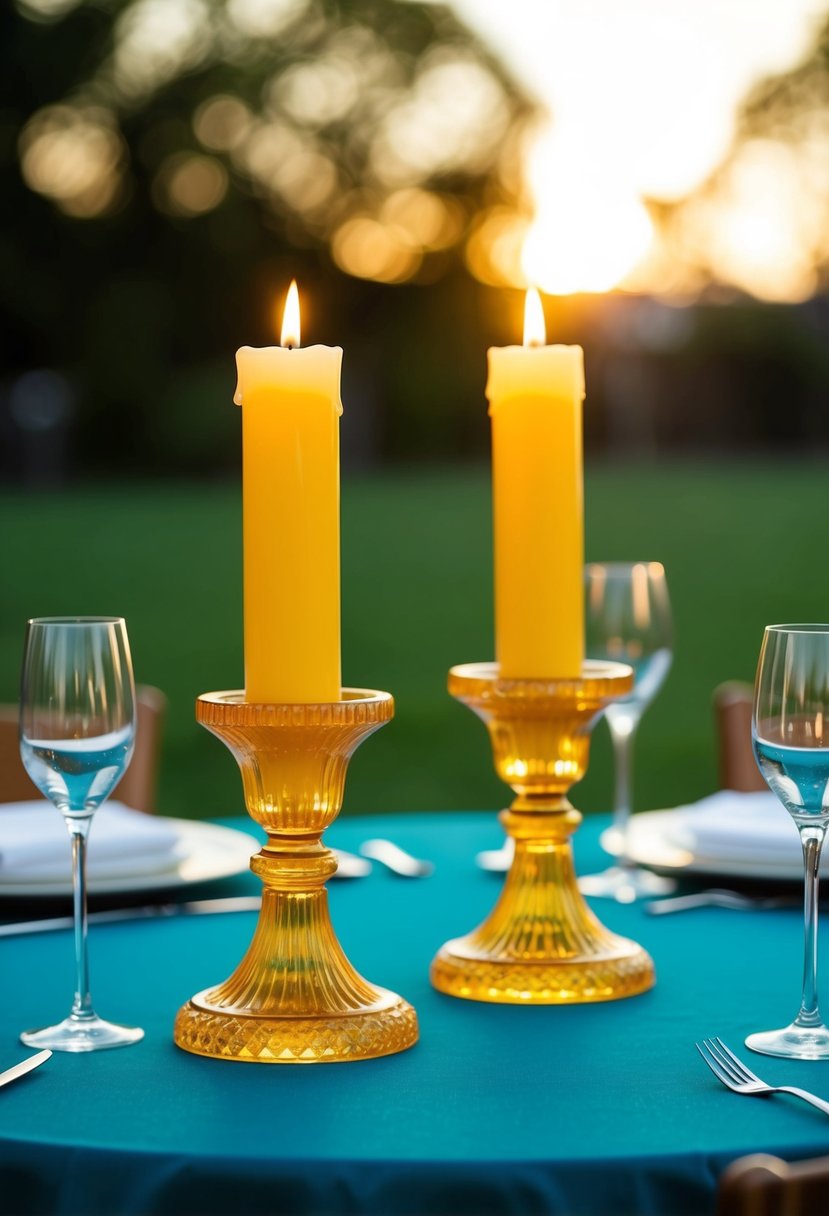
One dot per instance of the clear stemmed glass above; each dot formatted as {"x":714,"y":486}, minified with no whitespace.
{"x":628,"y":619}
{"x":790,"y":732}
{"x":77,"y":730}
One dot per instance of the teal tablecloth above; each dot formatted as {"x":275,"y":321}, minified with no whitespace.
{"x":597,"y":1109}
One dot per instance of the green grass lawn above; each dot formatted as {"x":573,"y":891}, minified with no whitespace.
{"x":738,"y":543}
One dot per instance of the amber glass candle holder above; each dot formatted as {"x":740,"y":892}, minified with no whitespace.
{"x":541,"y":944}
{"x":295,"y":998}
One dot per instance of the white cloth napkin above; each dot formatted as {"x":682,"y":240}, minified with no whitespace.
{"x":35,"y":845}
{"x":730,"y":826}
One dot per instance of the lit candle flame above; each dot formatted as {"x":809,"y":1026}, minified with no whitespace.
{"x":535,"y":331}
{"x":290,"y":318}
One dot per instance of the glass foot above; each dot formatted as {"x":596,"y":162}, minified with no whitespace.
{"x":794,"y":1042}
{"x":82,"y":1034}
{"x":626,"y":884}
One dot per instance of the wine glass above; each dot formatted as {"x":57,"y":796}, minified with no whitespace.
{"x":628,"y":619}
{"x":77,"y":730}
{"x":790,"y":733}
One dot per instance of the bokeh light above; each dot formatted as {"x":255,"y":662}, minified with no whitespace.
{"x":155,"y":40}
{"x":265,"y":18}
{"x":403,"y":152}
{"x":368,"y":249}
{"x":318,"y":93}
{"x":221,"y":123}
{"x":190,"y":185}
{"x":75,"y":157}
{"x":639,"y":126}
{"x":46,"y":10}
{"x":760,"y":226}
{"x":454,"y":118}
{"x":494,"y":250}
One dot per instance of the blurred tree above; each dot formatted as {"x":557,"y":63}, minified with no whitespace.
{"x":761,"y":221}
{"x":169,"y":164}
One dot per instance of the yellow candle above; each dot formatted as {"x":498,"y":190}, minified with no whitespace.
{"x":535,"y":394}
{"x":290,"y":402}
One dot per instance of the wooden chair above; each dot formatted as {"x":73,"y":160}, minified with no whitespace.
{"x":760,"y":1185}
{"x":732,"y":714}
{"x":138,"y":786}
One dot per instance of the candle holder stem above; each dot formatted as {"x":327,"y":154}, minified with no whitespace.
{"x":294,"y":998}
{"x":541,"y":944}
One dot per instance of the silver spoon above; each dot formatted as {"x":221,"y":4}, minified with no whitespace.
{"x":395,"y":859}
{"x":349,"y":865}
{"x":497,"y":861}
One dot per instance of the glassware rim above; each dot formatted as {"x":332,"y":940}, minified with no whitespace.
{"x":616,"y":567}
{"x":76,"y":620}
{"x":799,"y":627}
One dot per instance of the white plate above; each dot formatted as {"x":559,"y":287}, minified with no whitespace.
{"x":202,"y":852}
{"x":651,"y":843}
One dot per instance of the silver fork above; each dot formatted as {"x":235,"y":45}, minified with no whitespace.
{"x":717,"y":897}
{"x":733,"y":1073}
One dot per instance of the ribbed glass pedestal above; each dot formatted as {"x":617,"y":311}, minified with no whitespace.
{"x":541,"y":944}
{"x":295,"y":998}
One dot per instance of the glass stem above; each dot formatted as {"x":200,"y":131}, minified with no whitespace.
{"x":811,"y":838}
{"x":622,"y":733}
{"x":82,"y":1002}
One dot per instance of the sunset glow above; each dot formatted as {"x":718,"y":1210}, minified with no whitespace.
{"x":634,"y":120}
{"x":588,"y":232}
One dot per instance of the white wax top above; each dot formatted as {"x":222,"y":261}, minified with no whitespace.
{"x":535,"y":371}
{"x":307,"y":369}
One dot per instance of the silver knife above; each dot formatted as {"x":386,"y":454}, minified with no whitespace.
{"x":196,"y":907}
{"x":20,"y":1070}
{"x":349,"y":866}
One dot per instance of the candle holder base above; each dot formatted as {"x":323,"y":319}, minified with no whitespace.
{"x":387,"y":1026}
{"x":294,"y":998}
{"x":492,"y":963}
{"x":541,"y":944}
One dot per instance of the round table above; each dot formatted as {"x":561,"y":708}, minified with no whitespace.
{"x":591,"y":1109}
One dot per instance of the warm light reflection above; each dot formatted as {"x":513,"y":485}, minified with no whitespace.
{"x":290,"y":318}
{"x":641,"y":597}
{"x":596,"y":586}
{"x":535,"y":329}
